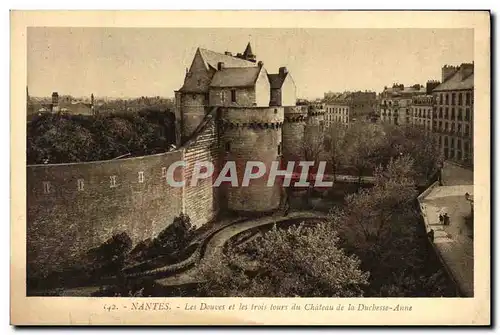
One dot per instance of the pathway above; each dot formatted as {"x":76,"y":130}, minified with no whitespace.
{"x":453,"y":242}
{"x":216,"y":243}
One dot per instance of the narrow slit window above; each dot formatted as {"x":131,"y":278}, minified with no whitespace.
{"x":228,"y":146}
{"x":46,"y":187}
{"x":141,"y":177}
{"x":112,"y":181}
{"x":81,"y":184}
{"x":233,"y":95}
{"x":163,"y":172}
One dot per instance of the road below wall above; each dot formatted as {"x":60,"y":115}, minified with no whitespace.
{"x":216,"y":243}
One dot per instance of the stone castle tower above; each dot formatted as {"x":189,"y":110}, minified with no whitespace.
{"x":247,"y":107}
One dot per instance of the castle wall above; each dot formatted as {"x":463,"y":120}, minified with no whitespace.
{"x":275,"y":97}
{"x":193,"y":112}
{"x":293,"y":133}
{"x":201,"y":200}
{"x":67,"y":221}
{"x":253,"y":134}
{"x":253,"y":145}
{"x":245,"y":97}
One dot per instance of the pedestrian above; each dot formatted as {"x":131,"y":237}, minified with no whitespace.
{"x":430,"y":234}
{"x":441,"y":218}
{"x":446,"y":219}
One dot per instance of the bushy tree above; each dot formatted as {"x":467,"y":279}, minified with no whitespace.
{"x":313,"y":142}
{"x":363,"y":147}
{"x":62,"y":138}
{"x":298,"y":261}
{"x":169,"y":243}
{"x":416,"y":143}
{"x":335,"y":146}
{"x":381,"y":225}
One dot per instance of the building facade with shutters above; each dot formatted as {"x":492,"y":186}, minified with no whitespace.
{"x":454,"y":107}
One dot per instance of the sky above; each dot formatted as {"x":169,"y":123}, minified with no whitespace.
{"x":131,"y":62}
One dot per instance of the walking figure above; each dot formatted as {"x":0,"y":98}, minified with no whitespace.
{"x":430,"y":234}
{"x":446,"y":219}
{"x":441,"y":218}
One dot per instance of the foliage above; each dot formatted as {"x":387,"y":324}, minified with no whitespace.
{"x":63,"y":138}
{"x":335,"y":145}
{"x":381,"y":226}
{"x":298,"y":261}
{"x":169,"y":243}
{"x":313,"y":143}
{"x":365,"y":146}
{"x":415,"y":142}
{"x":363,"y":149}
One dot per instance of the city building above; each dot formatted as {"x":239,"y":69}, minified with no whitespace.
{"x":337,"y":109}
{"x":453,"y":113}
{"x":362,"y":105}
{"x":395,"y":103}
{"x":349,"y":107}
{"x":421,"y":109}
{"x":64,"y":105}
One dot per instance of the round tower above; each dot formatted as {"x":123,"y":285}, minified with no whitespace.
{"x":190,"y":111}
{"x":293,"y":133}
{"x":252,"y":134}
{"x":316,"y":114}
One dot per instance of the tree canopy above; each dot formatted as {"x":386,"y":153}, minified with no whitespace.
{"x":64,"y":138}
{"x":298,"y":261}
{"x":381,"y":226}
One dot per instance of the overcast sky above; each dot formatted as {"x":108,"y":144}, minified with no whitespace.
{"x":130,"y":62}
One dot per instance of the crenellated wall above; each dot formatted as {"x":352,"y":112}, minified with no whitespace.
{"x":293,"y":133}
{"x":252,"y":134}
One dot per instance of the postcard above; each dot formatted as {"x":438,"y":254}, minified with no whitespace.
{"x":250,"y":168}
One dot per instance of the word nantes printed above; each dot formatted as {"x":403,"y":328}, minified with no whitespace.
{"x":253,"y":170}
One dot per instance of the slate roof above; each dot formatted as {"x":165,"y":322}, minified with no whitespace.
{"x":211,"y":58}
{"x":276,"y":80}
{"x":456,"y":83}
{"x":235,"y":77}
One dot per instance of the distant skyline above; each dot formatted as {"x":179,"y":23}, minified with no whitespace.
{"x":132,"y":62}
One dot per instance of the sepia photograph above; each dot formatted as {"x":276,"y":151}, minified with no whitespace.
{"x":224,"y":162}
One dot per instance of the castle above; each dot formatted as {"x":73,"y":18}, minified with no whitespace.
{"x":229,"y":108}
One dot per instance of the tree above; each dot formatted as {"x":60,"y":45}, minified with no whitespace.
{"x":415,"y":142}
{"x":298,"y":261}
{"x":381,"y":226}
{"x":369,"y":214}
{"x":363,"y":145}
{"x":313,"y":142}
{"x":312,"y":147}
{"x":335,"y":144}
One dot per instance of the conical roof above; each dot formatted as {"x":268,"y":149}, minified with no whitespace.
{"x":248,"y":50}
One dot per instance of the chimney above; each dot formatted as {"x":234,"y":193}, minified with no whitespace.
{"x":283,"y":71}
{"x":227,"y":53}
{"x":260,"y":64}
{"x":447,"y":71}
{"x":220,"y":66}
{"x":466,"y":69}
{"x":431,"y":85}
{"x":55,"y":98}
